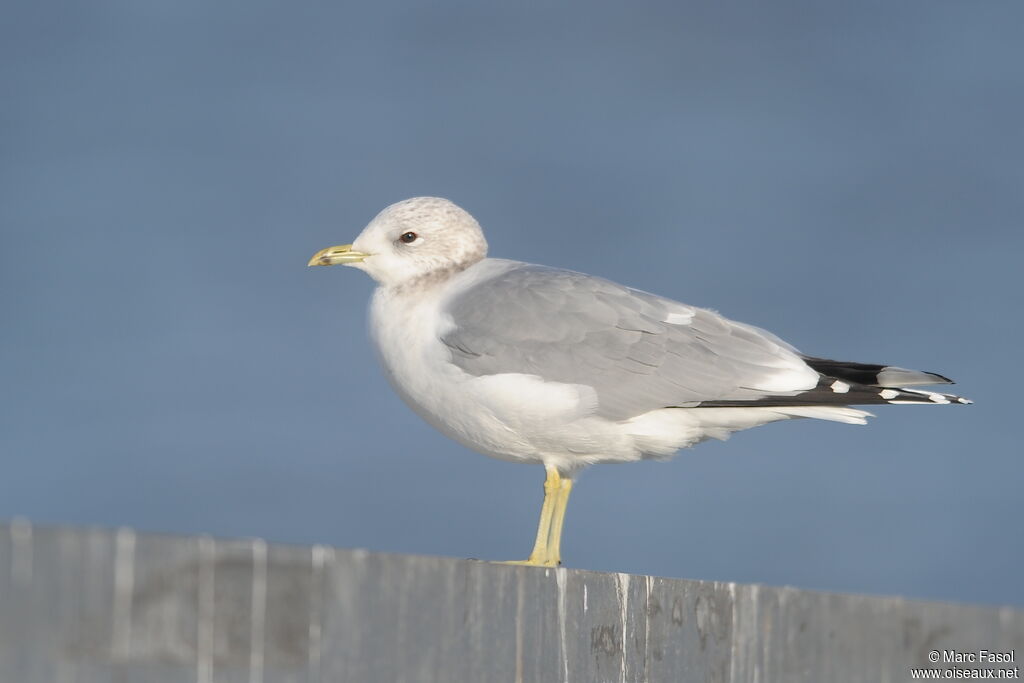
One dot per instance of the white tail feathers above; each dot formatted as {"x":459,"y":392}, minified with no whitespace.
{"x":852,"y":416}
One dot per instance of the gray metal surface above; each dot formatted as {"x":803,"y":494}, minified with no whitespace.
{"x":96,"y":606}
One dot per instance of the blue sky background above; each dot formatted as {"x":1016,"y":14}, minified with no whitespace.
{"x":849,"y":176}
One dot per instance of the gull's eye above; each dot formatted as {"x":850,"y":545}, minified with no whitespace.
{"x":408,"y":237}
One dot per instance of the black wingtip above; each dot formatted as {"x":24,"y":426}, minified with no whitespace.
{"x":870,"y":374}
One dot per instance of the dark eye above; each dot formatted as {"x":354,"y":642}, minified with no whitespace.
{"x":408,"y":237}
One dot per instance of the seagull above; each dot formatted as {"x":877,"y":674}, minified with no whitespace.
{"x":533,"y":364}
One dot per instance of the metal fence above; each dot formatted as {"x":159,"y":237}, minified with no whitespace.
{"x":94,"y":606}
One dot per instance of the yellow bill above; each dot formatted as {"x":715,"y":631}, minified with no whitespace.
{"x":332,"y":256}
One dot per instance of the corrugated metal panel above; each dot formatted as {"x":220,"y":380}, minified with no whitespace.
{"x":96,"y":606}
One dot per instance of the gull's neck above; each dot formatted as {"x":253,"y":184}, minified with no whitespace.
{"x":424,"y":284}
{"x":444,"y":282}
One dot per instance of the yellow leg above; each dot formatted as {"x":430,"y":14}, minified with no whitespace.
{"x":552,"y":515}
{"x":557,"y":520}
{"x":539,"y":553}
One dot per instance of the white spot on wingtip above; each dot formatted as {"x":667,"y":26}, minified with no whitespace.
{"x":888,"y":394}
{"x":938,"y":398}
{"x":679,"y":318}
{"x":840,"y":387}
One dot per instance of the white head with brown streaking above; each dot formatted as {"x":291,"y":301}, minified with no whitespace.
{"x":422,"y":236}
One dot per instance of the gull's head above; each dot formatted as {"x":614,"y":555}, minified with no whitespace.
{"x":422,"y":236}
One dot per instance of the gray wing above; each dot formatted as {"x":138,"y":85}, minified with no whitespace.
{"x":638,"y":351}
